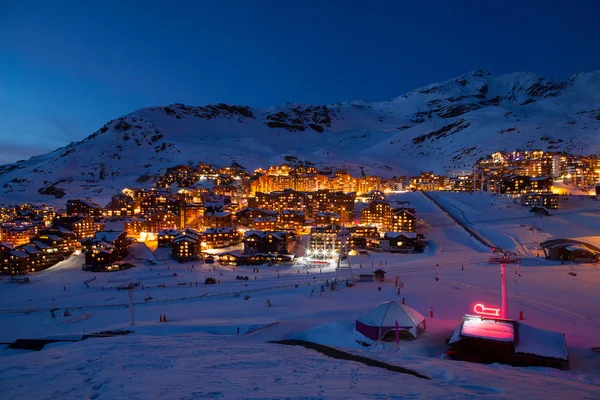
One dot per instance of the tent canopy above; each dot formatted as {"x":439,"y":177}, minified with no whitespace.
{"x":381,"y":319}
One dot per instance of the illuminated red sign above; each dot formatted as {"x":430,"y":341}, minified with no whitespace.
{"x":487,"y":311}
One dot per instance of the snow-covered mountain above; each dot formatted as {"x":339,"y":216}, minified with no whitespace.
{"x":444,"y":127}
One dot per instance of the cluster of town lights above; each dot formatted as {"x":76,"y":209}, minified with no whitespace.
{"x":321,"y":253}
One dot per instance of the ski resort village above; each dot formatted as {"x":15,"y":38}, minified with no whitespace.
{"x":197,"y":281}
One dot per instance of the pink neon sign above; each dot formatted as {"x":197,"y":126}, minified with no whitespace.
{"x":487,"y":311}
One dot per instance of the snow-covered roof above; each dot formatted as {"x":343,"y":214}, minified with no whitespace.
{"x":40,"y":244}
{"x":103,"y":250}
{"x":265,"y":219}
{"x":253,"y":232}
{"x":327,"y":214}
{"x":386,"y":314}
{"x":172,"y":232}
{"x":404,"y":210}
{"x":408,"y":235}
{"x":186,"y":238}
{"x":107,"y":236}
{"x":279,"y":235}
{"x":292,"y":212}
{"x":62,"y":229}
{"x":541,"y":342}
{"x":31,"y":249}
{"x":88,"y":203}
{"x":488,"y":329}
{"x":219,"y":230}
{"x":578,"y":247}
{"x":19,"y":253}
{"x":235,"y":253}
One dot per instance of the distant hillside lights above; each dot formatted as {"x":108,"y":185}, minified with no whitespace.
{"x":309,"y":179}
{"x":517,"y":172}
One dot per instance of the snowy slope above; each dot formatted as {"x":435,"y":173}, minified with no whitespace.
{"x":443,"y":127}
{"x":199,"y":353}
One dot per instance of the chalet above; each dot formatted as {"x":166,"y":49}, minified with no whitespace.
{"x":194,"y":194}
{"x":46,"y":254}
{"x":17,"y":233}
{"x":191,"y":214}
{"x":378,"y":213}
{"x":264,"y":223}
{"x":287,"y":199}
{"x":519,"y":184}
{"x":225,"y":190}
{"x":546,"y":200}
{"x":120,"y":206}
{"x":221,"y":237}
{"x":186,"y":246}
{"x":265,"y":242}
{"x":162,"y":220}
{"x":403,"y":242}
{"x":376,"y":195}
{"x":464,"y":183}
{"x":82,"y":227}
{"x":5,"y":249}
{"x":158,"y":203}
{"x":134,"y":226}
{"x":166,"y":236}
{"x":326,"y":218}
{"x":85,"y":208}
{"x":41,"y":256}
{"x":18,"y":262}
{"x":247,"y":216}
{"x":364,"y":231}
{"x":378,"y":244}
{"x":357,"y":242}
{"x":343,"y":205}
{"x":403,"y":220}
{"x":70,"y":242}
{"x":107,"y":248}
{"x":324,"y":240}
{"x":290,"y":219}
{"x":396,"y":242}
{"x":231,"y":258}
{"x":218,"y":219}
{"x":60,"y":245}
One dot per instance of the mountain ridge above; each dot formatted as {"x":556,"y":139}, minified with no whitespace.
{"x":444,"y":127}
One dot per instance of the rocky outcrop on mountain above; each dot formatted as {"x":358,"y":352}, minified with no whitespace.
{"x":299,"y":118}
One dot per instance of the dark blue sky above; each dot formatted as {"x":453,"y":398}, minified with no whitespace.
{"x":67,"y":67}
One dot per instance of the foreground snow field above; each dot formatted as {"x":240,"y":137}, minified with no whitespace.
{"x":212,"y":345}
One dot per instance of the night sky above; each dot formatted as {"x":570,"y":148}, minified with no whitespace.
{"x":66,"y":67}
